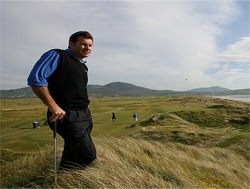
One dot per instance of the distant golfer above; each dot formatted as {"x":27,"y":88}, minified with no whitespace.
{"x":113,"y":118}
{"x":135,"y":117}
{"x":59,"y":78}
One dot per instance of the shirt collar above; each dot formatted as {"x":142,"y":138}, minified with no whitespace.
{"x":71,"y":53}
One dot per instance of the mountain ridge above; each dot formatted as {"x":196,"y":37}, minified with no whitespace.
{"x":209,"y":89}
{"x":127,"y":89}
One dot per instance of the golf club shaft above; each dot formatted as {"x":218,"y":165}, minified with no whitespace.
{"x":55,"y":168}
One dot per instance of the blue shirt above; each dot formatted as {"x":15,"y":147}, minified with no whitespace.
{"x":45,"y":66}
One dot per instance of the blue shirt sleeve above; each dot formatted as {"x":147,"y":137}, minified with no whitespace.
{"x":43,"y":68}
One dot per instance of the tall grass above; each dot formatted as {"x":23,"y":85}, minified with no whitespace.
{"x":136,"y":163}
{"x":35,"y":169}
{"x":196,"y":142}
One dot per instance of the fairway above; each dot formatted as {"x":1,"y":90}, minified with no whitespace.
{"x":17,"y":116}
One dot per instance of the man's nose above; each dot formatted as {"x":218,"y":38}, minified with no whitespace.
{"x":86,"y":47}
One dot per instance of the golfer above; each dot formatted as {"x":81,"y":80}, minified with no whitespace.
{"x":135,"y":117}
{"x":113,"y":118}
{"x":59,"y":78}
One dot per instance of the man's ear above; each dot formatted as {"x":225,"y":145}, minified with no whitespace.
{"x":71,"y":44}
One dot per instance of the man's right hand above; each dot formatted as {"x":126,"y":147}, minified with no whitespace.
{"x":57,"y":113}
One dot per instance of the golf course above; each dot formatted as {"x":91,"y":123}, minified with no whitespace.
{"x":178,"y":142}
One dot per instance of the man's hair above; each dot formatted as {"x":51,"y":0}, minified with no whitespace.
{"x":73,"y":38}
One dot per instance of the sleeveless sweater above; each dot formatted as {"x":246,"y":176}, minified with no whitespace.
{"x":68,"y":84}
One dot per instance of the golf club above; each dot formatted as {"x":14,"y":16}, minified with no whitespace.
{"x":55,"y":168}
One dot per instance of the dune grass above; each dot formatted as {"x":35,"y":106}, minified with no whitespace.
{"x":135,"y":163}
{"x":178,"y":142}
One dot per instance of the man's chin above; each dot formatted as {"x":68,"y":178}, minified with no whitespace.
{"x":86,"y":55}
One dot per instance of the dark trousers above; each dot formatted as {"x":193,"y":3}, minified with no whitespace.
{"x":79,"y":149}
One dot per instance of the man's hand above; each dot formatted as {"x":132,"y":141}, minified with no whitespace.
{"x":58,"y":113}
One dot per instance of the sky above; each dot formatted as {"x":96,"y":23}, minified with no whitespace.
{"x":165,"y":45}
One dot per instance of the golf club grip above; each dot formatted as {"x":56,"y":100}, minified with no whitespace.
{"x":54,"y":131}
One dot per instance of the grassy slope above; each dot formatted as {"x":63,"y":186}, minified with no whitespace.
{"x":195,"y":143}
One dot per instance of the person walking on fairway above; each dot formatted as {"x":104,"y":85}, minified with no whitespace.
{"x":113,"y":118}
{"x":59,"y":78}
{"x":135,"y":117}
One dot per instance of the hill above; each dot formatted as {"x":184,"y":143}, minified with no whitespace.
{"x":124,"y":89}
{"x":214,"y":89}
{"x":25,"y":92}
{"x":127,"y":89}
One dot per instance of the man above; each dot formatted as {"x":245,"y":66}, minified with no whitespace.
{"x":113,"y":118}
{"x":59,"y":78}
{"x":135,"y":117}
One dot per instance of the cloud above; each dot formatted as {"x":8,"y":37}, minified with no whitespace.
{"x":238,"y":52}
{"x":233,"y":65}
{"x":155,"y":44}
{"x":168,"y":42}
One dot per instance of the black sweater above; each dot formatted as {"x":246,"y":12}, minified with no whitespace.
{"x":68,"y":84}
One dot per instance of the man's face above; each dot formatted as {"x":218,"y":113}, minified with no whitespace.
{"x":82,"y":48}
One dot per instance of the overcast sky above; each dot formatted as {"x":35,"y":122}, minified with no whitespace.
{"x":175,"y":45}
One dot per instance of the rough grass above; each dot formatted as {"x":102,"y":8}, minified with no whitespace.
{"x":178,"y":142}
{"x":26,"y":171}
{"x":135,"y":163}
